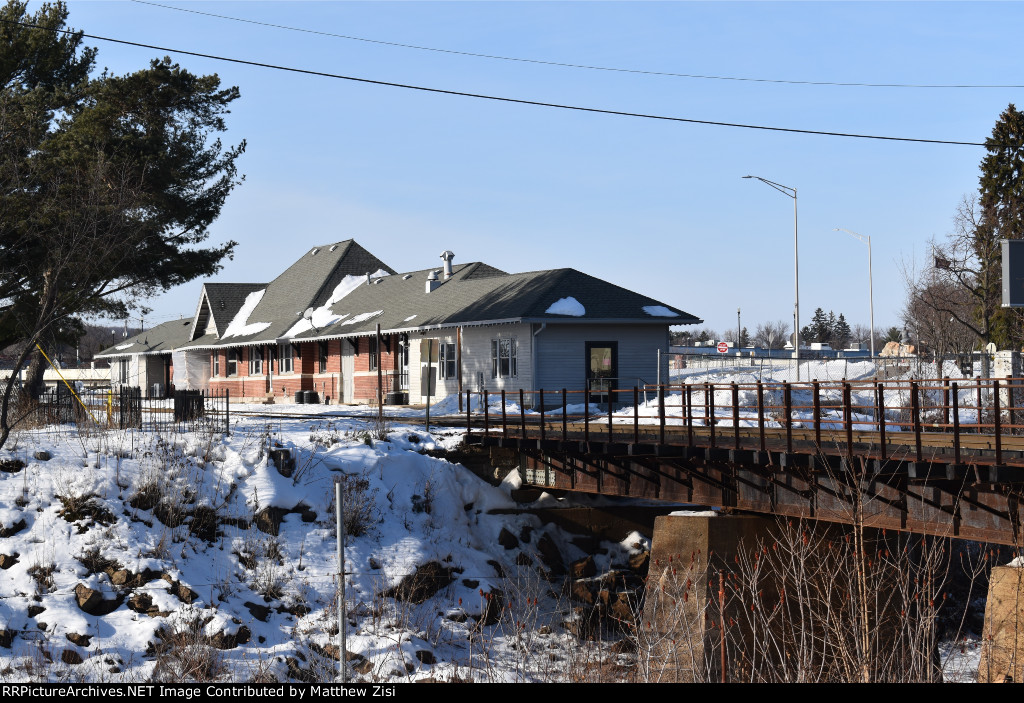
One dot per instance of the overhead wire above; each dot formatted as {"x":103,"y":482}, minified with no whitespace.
{"x":561,"y":64}
{"x":496,"y":98}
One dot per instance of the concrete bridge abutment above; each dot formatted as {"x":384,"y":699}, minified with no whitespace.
{"x":749,"y":598}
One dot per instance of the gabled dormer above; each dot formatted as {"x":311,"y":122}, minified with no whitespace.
{"x":218,"y":305}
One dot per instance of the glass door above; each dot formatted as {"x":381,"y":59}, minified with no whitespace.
{"x":602,"y":370}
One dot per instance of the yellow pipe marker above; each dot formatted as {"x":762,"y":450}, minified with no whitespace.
{"x":66,"y":383}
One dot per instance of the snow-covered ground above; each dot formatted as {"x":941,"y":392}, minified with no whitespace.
{"x":125,"y":518}
{"x":125,"y":555}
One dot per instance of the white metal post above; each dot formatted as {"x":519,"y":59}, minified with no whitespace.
{"x":340,"y":513}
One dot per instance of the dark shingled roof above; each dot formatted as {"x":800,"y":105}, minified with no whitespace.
{"x":225,"y":299}
{"x":476,"y":293}
{"x":161,"y":339}
{"x":466,"y":298}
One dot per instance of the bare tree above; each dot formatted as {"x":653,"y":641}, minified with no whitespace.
{"x":961,"y":284}
{"x":771,"y":335}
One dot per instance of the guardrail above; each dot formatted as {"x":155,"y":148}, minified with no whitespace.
{"x":883,"y":413}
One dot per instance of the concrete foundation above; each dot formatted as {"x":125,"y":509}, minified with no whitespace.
{"x":691,"y":558}
{"x":746,"y":598}
{"x":1002,"y":654}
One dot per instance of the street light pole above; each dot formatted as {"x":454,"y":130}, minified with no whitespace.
{"x":871,"y":287}
{"x":738,"y":337}
{"x":786,"y":190}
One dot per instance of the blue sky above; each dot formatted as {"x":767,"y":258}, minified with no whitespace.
{"x":658,"y":207}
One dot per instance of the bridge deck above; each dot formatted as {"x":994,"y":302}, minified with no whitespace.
{"x":949,"y":469}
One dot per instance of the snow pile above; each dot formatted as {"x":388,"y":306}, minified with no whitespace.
{"x":567,"y":306}
{"x":240,"y":325}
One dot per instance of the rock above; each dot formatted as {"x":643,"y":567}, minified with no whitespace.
{"x":583,"y":568}
{"x":525,"y":534}
{"x":6,"y":638}
{"x":523,"y":559}
{"x":283,"y":461}
{"x":580,"y":591}
{"x":494,"y":603}
{"x":80,"y":640}
{"x":374,"y":564}
{"x":550,"y":555}
{"x":420,"y":585}
{"x":621,"y":609}
{"x":223,"y":640}
{"x":42,"y":455}
{"x":260,"y":612}
{"x":497,"y":568}
{"x":639,"y":562}
{"x":8,"y":560}
{"x":425,"y":656}
{"x":544,"y":630}
{"x":11,"y":466}
{"x":13,"y":529}
{"x":34,"y":610}
{"x":70,"y":656}
{"x":308,"y":514}
{"x":269,"y":520}
{"x":92,"y":602}
{"x":470,"y":583}
{"x":184,"y":593}
{"x":456,"y":615}
{"x":88,"y":599}
{"x":585,"y":623}
{"x":507,"y":540}
{"x":364,"y":667}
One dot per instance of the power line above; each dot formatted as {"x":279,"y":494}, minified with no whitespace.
{"x":480,"y":96}
{"x":588,"y":67}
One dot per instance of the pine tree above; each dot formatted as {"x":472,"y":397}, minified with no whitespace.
{"x":841,"y":333}
{"x":1001,"y":199}
{"x":108,"y":185}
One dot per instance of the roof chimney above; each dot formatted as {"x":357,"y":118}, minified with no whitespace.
{"x":432,"y":281}
{"x":447,"y":257}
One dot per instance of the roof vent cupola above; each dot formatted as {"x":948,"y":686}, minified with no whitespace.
{"x":432,"y":281}
{"x":447,"y":257}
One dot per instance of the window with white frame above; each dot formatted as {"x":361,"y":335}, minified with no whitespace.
{"x":503,"y":358}
{"x":234,"y":357}
{"x":372,"y":348}
{"x":216,"y":362}
{"x":322,"y":348}
{"x":255,"y":361}
{"x":446,"y":365}
{"x":285,"y":357}
{"x":122,"y":370}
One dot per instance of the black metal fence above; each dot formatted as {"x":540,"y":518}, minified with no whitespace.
{"x":126,"y":407}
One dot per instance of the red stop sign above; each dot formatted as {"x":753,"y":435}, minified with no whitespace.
{"x":722,"y":347}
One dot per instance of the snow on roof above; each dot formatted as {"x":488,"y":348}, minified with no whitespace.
{"x":659,"y":311}
{"x":567,"y":306}
{"x":119,"y":347}
{"x":323,"y":316}
{"x":240,"y":325}
{"x":362,"y":317}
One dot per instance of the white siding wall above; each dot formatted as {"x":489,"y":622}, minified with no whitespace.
{"x":562,"y":362}
{"x":475,"y":360}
